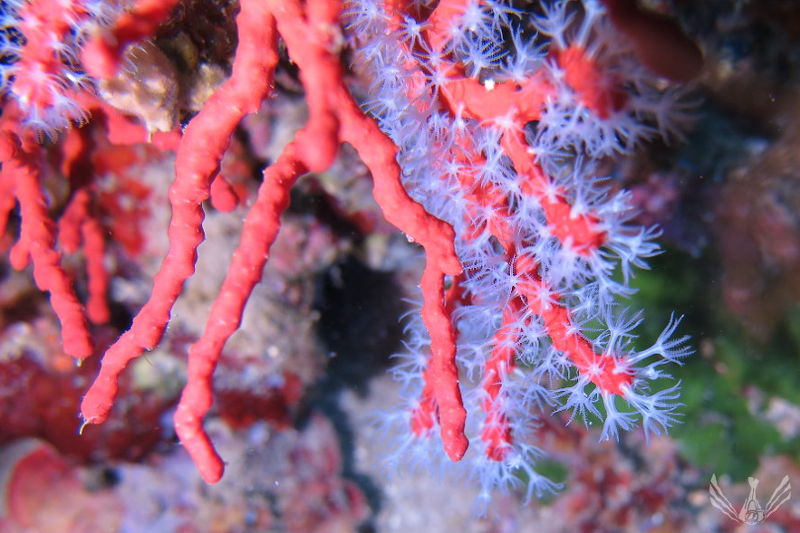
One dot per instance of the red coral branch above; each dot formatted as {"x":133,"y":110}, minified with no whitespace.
{"x":37,"y":242}
{"x":310,"y":33}
{"x":260,"y":230}
{"x":199,"y":154}
{"x":78,"y":226}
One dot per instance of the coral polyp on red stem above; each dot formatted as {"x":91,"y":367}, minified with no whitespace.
{"x":481,"y":125}
{"x":500,"y":117}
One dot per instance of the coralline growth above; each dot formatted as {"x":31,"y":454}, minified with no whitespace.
{"x":482,"y":125}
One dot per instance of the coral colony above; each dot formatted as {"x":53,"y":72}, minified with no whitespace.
{"x":483,"y":126}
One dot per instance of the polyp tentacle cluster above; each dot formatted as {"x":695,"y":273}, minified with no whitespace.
{"x":539,"y":234}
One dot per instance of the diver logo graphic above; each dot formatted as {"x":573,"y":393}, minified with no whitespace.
{"x":752,"y":512}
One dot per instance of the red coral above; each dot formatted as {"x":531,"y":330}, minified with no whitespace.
{"x":596,"y":117}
